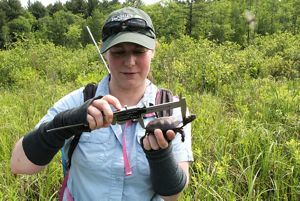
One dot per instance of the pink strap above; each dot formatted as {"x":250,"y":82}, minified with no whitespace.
{"x":124,"y":150}
{"x":158,"y":96}
{"x":69,"y":196}
{"x":64,"y":188}
{"x":150,"y":114}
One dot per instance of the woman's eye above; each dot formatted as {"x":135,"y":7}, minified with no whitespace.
{"x":121,"y":52}
{"x":139,"y":51}
{"x":124,"y":52}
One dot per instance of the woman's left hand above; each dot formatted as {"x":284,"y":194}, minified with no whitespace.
{"x":157,"y":140}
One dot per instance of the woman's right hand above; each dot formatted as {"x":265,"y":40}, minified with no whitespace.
{"x":99,"y":112}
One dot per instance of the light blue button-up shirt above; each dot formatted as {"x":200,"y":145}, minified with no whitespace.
{"x":97,"y":171}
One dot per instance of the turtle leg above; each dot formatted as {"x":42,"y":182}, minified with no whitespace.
{"x":189,"y":119}
{"x":182,"y":134}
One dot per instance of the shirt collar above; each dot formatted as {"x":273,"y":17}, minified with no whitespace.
{"x":149,"y":95}
{"x":148,"y":98}
{"x":103,"y":88}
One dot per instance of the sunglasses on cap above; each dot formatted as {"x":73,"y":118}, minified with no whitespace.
{"x":132,"y":25}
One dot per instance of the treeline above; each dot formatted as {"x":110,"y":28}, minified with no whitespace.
{"x":223,"y":20}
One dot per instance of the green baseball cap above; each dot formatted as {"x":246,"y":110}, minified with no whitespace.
{"x":130,"y":25}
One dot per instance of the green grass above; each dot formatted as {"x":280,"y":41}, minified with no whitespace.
{"x":247,"y":146}
{"x":245,"y":138}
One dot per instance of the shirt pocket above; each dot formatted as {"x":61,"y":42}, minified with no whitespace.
{"x":97,"y":136}
{"x":91,"y":151}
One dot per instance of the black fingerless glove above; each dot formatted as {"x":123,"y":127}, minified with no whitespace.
{"x":40,"y":145}
{"x":166,"y":176}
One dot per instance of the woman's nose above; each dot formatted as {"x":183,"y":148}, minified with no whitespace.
{"x":130,"y":59}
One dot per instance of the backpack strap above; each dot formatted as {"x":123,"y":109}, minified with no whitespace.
{"x":88,"y":93}
{"x":164,"y":96}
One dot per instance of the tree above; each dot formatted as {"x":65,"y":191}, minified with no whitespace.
{"x":77,"y":7}
{"x":95,"y":22}
{"x":12,"y":8}
{"x":37,"y":9}
{"x":219,"y":27}
{"x":72,"y":36}
{"x":238,"y":22}
{"x":4,"y":36}
{"x":3,"y":18}
{"x":31,"y":19}
{"x":267,"y":16}
{"x":134,"y":3}
{"x":190,"y":17}
{"x":91,"y":6}
{"x":295,"y":17}
{"x":200,"y":20}
{"x":168,"y":18}
{"x":59,"y":24}
{"x":2,"y":28}
{"x":19,"y":26}
{"x":9,"y":10}
{"x":41,"y":28}
{"x":57,"y":6}
{"x":108,"y":6}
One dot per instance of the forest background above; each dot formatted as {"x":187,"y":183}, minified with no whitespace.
{"x":236,"y":61}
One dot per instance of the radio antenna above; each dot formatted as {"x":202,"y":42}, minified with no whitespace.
{"x":101,"y":57}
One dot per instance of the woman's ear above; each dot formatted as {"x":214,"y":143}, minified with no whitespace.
{"x":153,"y":54}
{"x":104,"y":56}
{"x":153,"y":51}
{"x":105,"y":60}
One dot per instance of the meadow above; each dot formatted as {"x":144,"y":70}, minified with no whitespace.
{"x":246,"y":140}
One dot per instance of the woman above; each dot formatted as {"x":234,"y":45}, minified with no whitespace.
{"x":112,"y":162}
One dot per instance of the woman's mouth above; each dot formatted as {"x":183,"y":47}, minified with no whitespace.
{"x":129,"y":73}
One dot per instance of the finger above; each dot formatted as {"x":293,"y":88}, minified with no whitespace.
{"x":146,"y":143}
{"x":97,"y":115}
{"x":170,"y":135}
{"x":92,"y":122}
{"x":113,"y":101}
{"x":161,"y":141}
{"x":104,"y":113}
{"x":153,"y":143}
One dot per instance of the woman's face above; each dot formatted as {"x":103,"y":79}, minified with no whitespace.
{"x":129,"y":65}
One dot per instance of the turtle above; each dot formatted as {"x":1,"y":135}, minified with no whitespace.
{"x":169,"y":123}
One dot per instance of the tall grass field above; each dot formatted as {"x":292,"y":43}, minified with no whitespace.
{"x":246,"y":138}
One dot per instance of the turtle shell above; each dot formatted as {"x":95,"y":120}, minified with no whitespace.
{"x":163,"y":123}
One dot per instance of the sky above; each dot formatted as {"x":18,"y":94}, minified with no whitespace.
{"x":47,"y":2}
